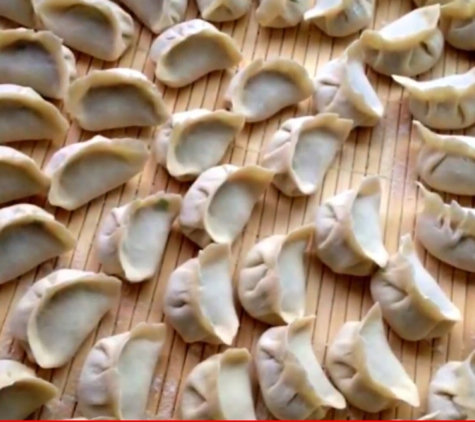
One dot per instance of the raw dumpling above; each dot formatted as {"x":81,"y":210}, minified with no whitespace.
{"x":132,"y":239}
{"x":409,"y":46}
{"x":29,"y":236}
{"x":21,"y":391}
{"x":199,"y":300}
{"x":83,"y":171}
{"x":193,"y":42}
{"x":99,"y":28}
{"x":219,"y":203}
{"x":263,"y":88}
{"x":58,"y":312}
{"x":194,"y":141}
{"x":219,"y":388}
{"x":272,"y":280}
{"x":19,"y":11}
{"x":348,"y":236}
{"x":363,"y":367}
{"x":411,"y":301}
{"x":223,"y":10}
{"x":342,"y":87}
{"x":302,"y":150}
{"x":457,"y":21}
{"x":118,"y":372}
{"x":293,"y":384}
{"x":281,"y":13}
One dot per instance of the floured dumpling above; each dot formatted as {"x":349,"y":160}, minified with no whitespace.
{"x":118,"y":372}
{"x":58,"y":312}
{"x":199,"y":298}
{"x":342,"y":87}
{"x":302,"y":150}
{"x":219,"y":388}
{"x":219,"y":203}
{"x":281,"y":13}
{"x":194,"y":141}
{"x":19,"y":11}
{"x":190,"y":50}
{"x":263,"y":88}
{"x":83,"y":171}
{"x":409,"y":46}
{"x":457,"y":21}
{"x":132,"y":239}
{"x":412,"y":302}
{"x":363,"y":367}
{"x":349,"y":237}
{"x":99,"y":28}
{"x":222,"y":10}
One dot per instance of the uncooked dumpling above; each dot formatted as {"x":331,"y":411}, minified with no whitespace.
{"x":19,"y":11}
{"x":194,"y":141}
{"x":281,"y":13}
{"x":222,"y":10}
{"x":363,"y":367}
{"x":219,"y":203}
{"x":190,"y":50}
{"x":83,"y":171}
{"x":457,"y":21}
{"x":58,"y":312}
{"x":219,"y":388}
{"x":132,"y":239}
{"x":199,"y":298}
{"x":118,"y":372}
{"x":302,"y":150}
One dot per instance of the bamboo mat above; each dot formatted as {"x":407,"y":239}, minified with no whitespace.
{"x":389,"y":150}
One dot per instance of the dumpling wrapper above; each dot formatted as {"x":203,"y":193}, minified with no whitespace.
{"x":81,"y":172}
{"x":99,"y":28}
{"x":194,"y":141}
{"x":197,"y":42}
{"x":118,"y":373}
{"x":220,"y":202}
{"x":43,"y":321}
{"x":223,"y":10}
{"x":302,"y":150}
{"x":363,"y":367}
{"x":132,"y":238}
{"x":19,"y":11}
{"x":412,"y":302}
{"x":349,"y":237}
{"x":457,"y":21}
{"x":219,"y":388}
{"x":281,"y":13}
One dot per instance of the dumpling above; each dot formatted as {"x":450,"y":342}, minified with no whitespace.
{"x":219,"y":203}
{"x":58,"y":312}
{"x":411,"y":301}
{"x":99,"y":28}
{"x":302,"y":150}
{"x":409,"y":46}
{"x":348,"y":237}
{"x":281,"y":13}
{"x":37,"y":60}
{"x":83,"y":171}
{"x":132,"y":239}
{"x":293,"y":384}
{"x":194,"y":141}
{"x":219,"y":388}
{"x":19,"y":11}
{"x":272,"y":281}
{"x":197,"y":42}
{"x":222,"y":10}
{"x":21,"y":391}
{"x":457,"y":21}
{"x":363,"y":367}
{"x":263,"y":88}
{"x":118,"y":372}
{"x":342,"y":87}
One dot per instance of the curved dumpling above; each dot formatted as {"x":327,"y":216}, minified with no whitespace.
{"x":219,"y":203}
{"x":302,"y":150}
{"x":197,"y":42}
{"x":19,"y":11}
{"x":222,"y":10}
{"x":83,"y":171}
{"x":219,"y":388}
{"x":132,"y":239}
{"x":272,"y":281}
{"x":363,"y":367}
{"x":409,"y":46}
{"x":411,"y":301}
{"x":348,"y":236}
{"x":118,"y":372}
{"x":457,"y":21}
{"x":281,"y":13}
{"x":263,"y":88}
{"x":194,"y":141}
{"x":99,"y":28}
{"x":199,"y":300}
{"x":58,"y":312}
